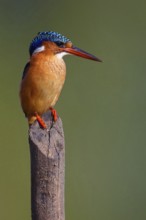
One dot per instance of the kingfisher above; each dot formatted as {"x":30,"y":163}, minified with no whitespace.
{"x":44,"y":74}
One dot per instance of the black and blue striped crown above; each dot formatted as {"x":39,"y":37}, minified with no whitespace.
{"x":47,"y":36}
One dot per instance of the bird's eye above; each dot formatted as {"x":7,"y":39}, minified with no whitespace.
{"x":60,"y":44}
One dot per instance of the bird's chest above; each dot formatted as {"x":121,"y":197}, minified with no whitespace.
{"x":47,"y":77}
{"x":47,"y":74}
{"x":52,"y":74}
{"x":42,"y":84}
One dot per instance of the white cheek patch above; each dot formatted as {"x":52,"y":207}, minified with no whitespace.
{"x":62,"y":54}
{"x":39,"y":49}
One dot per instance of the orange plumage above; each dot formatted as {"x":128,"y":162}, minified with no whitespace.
{"x":42,"y":83}
{"x":45,"y":73}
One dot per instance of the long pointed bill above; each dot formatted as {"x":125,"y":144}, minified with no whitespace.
{"x":81,"y":53}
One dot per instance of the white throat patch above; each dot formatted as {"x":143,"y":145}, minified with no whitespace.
{"x":61,"y":55}
{"x":39,"y":49}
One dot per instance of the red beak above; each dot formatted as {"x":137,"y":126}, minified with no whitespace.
{"x":81,"y":53}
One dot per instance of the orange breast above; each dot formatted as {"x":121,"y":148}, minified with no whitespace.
{"x":42,"y":84}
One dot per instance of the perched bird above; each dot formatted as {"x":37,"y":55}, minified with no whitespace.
{"x":45,"y":73}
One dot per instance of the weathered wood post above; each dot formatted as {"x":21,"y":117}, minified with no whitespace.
{"x":47,"y":154}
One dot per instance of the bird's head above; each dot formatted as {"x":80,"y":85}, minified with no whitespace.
{"x":58,"y":44}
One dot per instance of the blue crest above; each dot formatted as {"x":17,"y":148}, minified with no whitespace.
{"x":47,"y":36}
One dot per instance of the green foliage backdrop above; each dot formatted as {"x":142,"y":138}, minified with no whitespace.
{"x":103,"y":107}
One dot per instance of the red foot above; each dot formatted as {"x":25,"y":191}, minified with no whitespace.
{"x":40,"y":121}
{"x":54,"y":114}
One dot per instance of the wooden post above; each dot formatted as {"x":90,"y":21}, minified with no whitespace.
{"x":47,"y":151}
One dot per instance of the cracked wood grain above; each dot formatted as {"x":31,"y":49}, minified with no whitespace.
{"x":47,"y":154}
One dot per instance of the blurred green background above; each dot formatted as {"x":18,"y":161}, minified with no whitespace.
{"x":103,"y":107}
